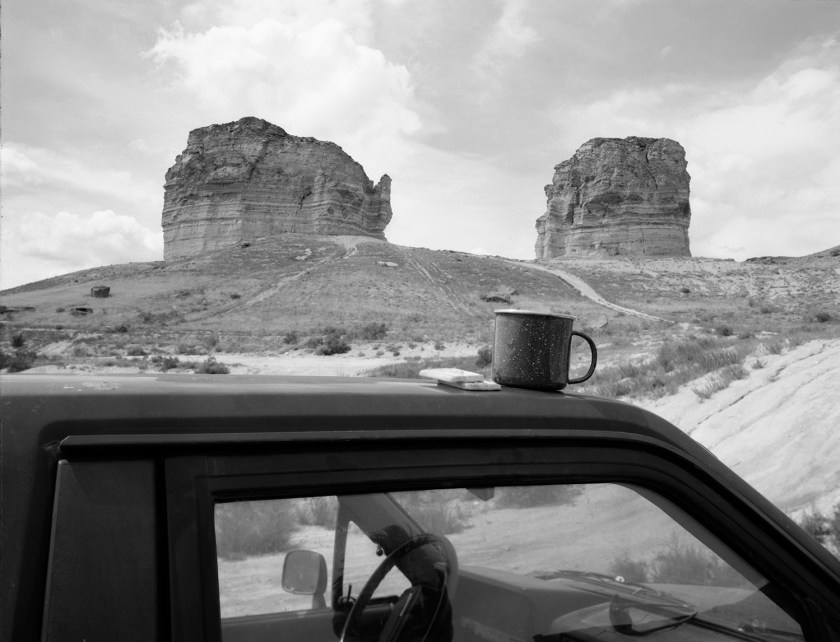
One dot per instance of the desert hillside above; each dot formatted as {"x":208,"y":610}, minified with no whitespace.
{"x":745,"y":357}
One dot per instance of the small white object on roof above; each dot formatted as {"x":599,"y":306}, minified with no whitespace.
{"x":457,"y":378}
{"x":451,"y":375}
{"x":472,"y":385}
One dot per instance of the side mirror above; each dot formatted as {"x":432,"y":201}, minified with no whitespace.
{"x":305,"y":573}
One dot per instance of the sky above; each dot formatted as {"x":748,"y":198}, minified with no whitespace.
{"x":466,"y":104}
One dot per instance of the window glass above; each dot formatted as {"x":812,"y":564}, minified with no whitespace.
{"x":577,"y":561}
{"x":254,"y":537}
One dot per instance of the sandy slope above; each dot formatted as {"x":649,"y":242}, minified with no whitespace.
{"x":779,"y":428}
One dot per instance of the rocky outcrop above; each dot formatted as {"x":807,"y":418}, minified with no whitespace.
{"x":618,"y":197}
{"x":248,"y":179}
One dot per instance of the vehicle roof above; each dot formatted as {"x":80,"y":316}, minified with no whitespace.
{"x":160,"y":406}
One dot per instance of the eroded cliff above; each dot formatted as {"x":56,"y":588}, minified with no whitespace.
{"x":240,"y":181}
{"x":618,"y":197}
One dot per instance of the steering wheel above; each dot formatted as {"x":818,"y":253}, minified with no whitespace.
{"x":446,"y":569}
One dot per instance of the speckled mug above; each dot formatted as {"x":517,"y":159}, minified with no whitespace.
{"x":532,"y":350}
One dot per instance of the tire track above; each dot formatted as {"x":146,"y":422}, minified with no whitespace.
{"x":586,"y":290}
{"x":269,"y":291}
{"x":439,"y":282}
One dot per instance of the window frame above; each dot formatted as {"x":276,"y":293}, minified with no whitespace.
{"x":196,"y":482}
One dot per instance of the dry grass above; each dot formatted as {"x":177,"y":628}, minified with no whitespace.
{"x":262,"y":300}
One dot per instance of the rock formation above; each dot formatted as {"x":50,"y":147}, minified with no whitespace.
{"x":618,"y":197}
{"x":248,"y":179}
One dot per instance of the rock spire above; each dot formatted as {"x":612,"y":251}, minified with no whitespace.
{"x":618,"y":197}
{"x":243,"y":180}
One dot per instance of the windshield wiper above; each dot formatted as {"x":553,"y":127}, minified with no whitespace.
{"x":622,"y":621}
{"x":745,"y":631}
{"x":676,"y":615}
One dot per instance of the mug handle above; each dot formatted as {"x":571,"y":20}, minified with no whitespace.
{"x":594,"y":356}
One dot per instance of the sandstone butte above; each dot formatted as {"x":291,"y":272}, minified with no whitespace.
{"x":241,"y":181}
{"x":617,"y":197}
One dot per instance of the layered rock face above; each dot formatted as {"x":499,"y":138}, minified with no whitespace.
{"x":248,"y":179}
{"x":618,"y":197}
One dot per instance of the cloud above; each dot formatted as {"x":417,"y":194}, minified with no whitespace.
{"x":460,"y":202}
{"x":311,"y":76}
{"x":42,"y":245}
{"x":301,"y":15}
{"x":762,"y":155}
{"x":27,"y":168}
{"x":508,"y":40}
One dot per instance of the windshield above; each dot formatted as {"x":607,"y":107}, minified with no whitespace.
{"x":574,"y":560}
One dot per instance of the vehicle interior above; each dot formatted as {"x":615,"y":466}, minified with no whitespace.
{"x":541,"y":562}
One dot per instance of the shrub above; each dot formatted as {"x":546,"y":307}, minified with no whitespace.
{"x":332,"y":344}
{"x":18,"y":340}
{"x":254,"y":528}
{"x":629,"y":569}
{"x":82,"y":350}
{"x":824,"y":528}
{"x":410,"y":369}
{"x":723,"y":331}
{"x":167,"y":362}
{"x":485,"y":357}
{"x":439,"y":345}
{"x":211,"y":366}
{"x":775,"y":347}
{"x":685,"y":290}
{"x":721,"y":380}
{"x":373,"y":331}
{"x":818,"y":525}
{"x":333,"y":330}
{"x":290,"y":338}
{"x":678,"y":564}
{"x":19,"y":361}
{"x":437,"y":511}
{"x":822,"y":317}
{"x":160,"y":318}
{"x":185,"y":348}
{"x":136,"y":351}
{"x":685,"y":564}
{"x":440,"y":518}
{"x":531,"y":496}
{"x":318,"y":511}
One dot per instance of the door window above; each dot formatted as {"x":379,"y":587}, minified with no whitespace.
{"x":516,"y":563}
